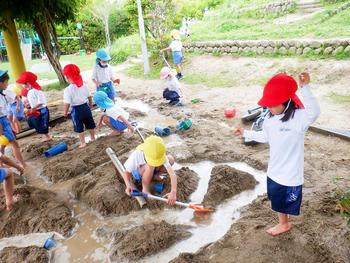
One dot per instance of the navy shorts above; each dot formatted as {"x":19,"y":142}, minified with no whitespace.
{"x":109,"y":89}
{"x":6,"y":129}
{"x":177,"y":57}
{"x":171,"y":95}
{"x":284,"y":199}
{"x":3,"y":174}
{"x":40,"y":123}
{"x":82,"y":116}
{"x":117,"y":124}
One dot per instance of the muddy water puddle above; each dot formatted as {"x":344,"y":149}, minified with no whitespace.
{"x":85,"y":246}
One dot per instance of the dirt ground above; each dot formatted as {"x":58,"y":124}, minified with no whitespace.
{"x":320,"y":234}
{"x":28,"y":255}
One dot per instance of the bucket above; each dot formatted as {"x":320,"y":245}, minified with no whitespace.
{"x":3,"y":140}
{"x":158,"y":187}
{"x":230,"y":112}
{"x":82,"y":52}
{"x":184,"y":125}
{"x":49,"y":243}
{"x":57,"y":149}
{"x":162,"y":132}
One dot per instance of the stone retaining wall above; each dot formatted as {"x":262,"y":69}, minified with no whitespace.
{"x":328,"y":47}
{"x":336,"y":11}
{"x":281,"y":7}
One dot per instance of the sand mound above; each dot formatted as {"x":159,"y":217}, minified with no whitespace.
{"x":30,"y":254}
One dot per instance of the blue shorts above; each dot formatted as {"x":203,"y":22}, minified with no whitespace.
{"x":117,"y":124}
{"x":6,"y":129}
{"x":40,"y":123}
{"x":109,"y":89}
{"x":82,"y":116}
{"x":13,"y":110}
{"x":177,"y":57}
{"x":284,"y":199}
{"x":171,"y":95}
{"x":3,"y":174}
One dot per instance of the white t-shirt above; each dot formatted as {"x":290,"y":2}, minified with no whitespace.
{"x":176,"y":45}
{"x":36,"y":97}
{"x":76,"y":96}
{"x":116,"y":111}
{"x":137,"y":159}
{"x":5,"y":101}
{"x":286,"y":141}
{"x":174,"y":85}
{"x":102,"y":75}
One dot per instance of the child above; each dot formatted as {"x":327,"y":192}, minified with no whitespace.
{"x":113,"y":115}
{"x":284,"y":130}
{"x":176,"y":48}
{"x":172,"y":91}
{"x":37,"y":101}
{"x":143,"y":162}
{"x":7,"y":177}
{"x":6,"y":98}
{"x":16,"y":114}
{"x":102,"y":74}
{"x":78,"y":96}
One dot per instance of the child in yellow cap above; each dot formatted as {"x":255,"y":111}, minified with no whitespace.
{"x":143,"y":162}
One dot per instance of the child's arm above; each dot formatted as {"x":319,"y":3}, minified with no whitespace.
{"x":11,"y":163}
{"x":130,"y":128}
{"x":66,"y":109}
{"x":18,"y":103}
{"x":96,"y":82}
{"x":166,"y":49}
{"x":99,"y":125}
{"x":312,"y":107}
{"x":173,"y":183}
{"x":258,"y":136}
{"x":127,"y":179}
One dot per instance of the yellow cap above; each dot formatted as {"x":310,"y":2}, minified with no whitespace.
{"x":175,"y":34}
{"x":3,"y":140}
{"x":154,"y":150}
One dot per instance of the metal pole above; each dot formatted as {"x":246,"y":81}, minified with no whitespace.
{"x":143,"y":38}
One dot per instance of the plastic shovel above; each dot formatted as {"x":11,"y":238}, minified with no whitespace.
{"x":198,"y":208}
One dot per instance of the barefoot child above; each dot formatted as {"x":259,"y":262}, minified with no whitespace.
{"x":6,"y":99}
{"x":37,"y":101}
{"x":16,"y":114}
{"x":172,"y":91}
{"x":143,"y":162}
{"x":284,"y":130}
{"x":78,"y":96}
{"x":176,"y":48}
{"x":102,"y":74}
{"x":7,"y":177}
{"x":114,"y":116}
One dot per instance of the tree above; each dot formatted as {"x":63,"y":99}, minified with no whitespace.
{"x":42,"y":15}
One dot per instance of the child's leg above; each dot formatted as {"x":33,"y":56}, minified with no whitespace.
{"x":17,"y":125}
{"x":92,"y":134}
{"x":283,"y":225}
{"x":8,"y":190}
{"x":17,"y":153}
{"x":107,"y":122}
{"x":82,"y":140}
{"x":147,"y":174}
{"x":178,"y":68}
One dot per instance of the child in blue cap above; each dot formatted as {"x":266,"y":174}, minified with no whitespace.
{"x":102,"y":74}
{"x":6,"y":99}
{"x":114,"y":116}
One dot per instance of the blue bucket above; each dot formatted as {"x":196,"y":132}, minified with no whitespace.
{"x":49,"y":243}
{"x":162,"y":132}
{"x":57,"y":149}
{"x":158,"y":187}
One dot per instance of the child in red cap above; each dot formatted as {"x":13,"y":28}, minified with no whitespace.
{"x":40,"y":115}
{"x":77,"y":96}
{"x":284,"y":130}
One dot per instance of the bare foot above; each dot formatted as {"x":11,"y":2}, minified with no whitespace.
{"x":115,"y":133}
{"x":15,"y":199}
{"x":279,"y":229}
{"x":82,"y":145}
{"x":92,"y":139}
{"x":46,"y":139}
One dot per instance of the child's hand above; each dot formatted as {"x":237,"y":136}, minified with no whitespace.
{"x":171,"y":198}
{"x":304,"y":79}
{"x":130,"y":128}
{"x":91,"y":105}
{"x":238,"y":131}
{"x":98,"y":84}
{"x":99,"y":126}
{"x":128,"y":190}
{"x":18,"y":108}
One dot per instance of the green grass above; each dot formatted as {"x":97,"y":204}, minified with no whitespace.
{"x":83,"y":62}
{"x":227,"y":23}
{"x":125,"y":47}
{"x":54,"y":86}
{"x":338,"y":98}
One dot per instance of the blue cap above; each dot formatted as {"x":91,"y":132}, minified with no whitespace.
{"x":102,"y":101}
{"x":102,"y":54}
{"x":3,"y":72}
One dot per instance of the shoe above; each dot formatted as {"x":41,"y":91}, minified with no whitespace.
{"x":173,"y":103}
{"x":180,"y":77}
{"x":179,"y":104}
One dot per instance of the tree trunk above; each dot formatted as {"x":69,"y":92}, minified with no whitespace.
{"x":41,"y":27}
{"x":108,"y":38}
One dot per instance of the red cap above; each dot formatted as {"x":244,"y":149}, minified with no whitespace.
{"x":29,"y":77}
{"x":73,"y":73}
{"x":278,"y":90}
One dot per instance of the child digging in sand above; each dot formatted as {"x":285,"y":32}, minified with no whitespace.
{"x":114,"y":116}
{"x":284,"y":130}
{"x":172,"y":91}
{"x":77,"y":96}
{"x":144,"y":162}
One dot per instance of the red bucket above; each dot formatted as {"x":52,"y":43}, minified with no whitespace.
{"x":230,"y":113}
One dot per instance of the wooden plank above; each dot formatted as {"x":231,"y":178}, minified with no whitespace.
{"x":345,"y":135}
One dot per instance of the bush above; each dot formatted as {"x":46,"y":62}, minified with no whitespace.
{"x":119,"y":24}
{"x":124,"y":47}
